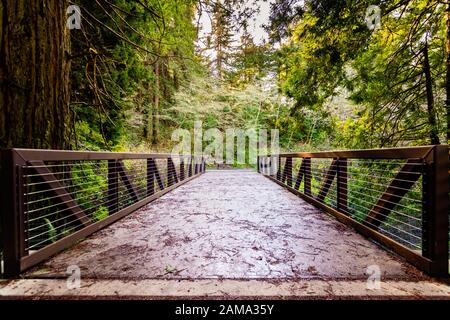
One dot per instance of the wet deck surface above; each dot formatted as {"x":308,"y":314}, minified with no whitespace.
{"x":227,"y":225}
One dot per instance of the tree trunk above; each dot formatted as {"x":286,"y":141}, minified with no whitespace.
{"x":34,"y":74}
{"x":434,"y":132}
{"x":155,"y":116}
{"x":447,"y":83}
{"x":147,"y":112}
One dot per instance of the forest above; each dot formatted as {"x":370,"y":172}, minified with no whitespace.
{"x":124,"y":75}
{"x":135,"y":70}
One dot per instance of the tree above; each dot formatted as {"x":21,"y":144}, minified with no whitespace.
{"x":228,"y":18}
{"x":389,"y":72}
{"x":34,"y":73}
{"x":447,"y":80}
{"x":250,"y":62}
{"x":130,"y":56}
{"x":221,"y":37}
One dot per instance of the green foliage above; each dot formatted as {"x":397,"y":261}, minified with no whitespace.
{"x":331,"y":83}
{"x":100,"y":214}
{"x":389,"y":80}
{"x":51,"y":231}
{"x":329,"y":52}
{"x":129,"y":53}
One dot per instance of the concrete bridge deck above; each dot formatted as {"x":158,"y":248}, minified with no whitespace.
{"x":233,"y":234}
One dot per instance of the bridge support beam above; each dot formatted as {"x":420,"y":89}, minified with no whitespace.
{"x":113,"y":187}
{"x":307,"y":170}
{"x":342,"y":201}
{"x":11,"y":212}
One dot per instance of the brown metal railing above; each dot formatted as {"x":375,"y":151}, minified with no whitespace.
{"x":52,"y":199}
{"x":399,"y":197}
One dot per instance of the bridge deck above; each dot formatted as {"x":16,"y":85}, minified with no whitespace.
{"x":227,"y":225}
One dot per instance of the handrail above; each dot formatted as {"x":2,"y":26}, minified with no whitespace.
{"x":397,"y":196}
{"x":67,"y":155}
{"x":388,"y":153}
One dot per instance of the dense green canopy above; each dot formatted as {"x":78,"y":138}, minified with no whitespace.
{"x":330,"y":74}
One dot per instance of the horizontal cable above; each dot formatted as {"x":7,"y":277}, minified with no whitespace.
{"x":374,"y":197}
{"x":105,"y":172}
{"x":95,"y":162}
{"x":349,"y":183}
{"x":140,"y":190}
{"x":403,"y":162}
{"x":384,"y":215}
{"x":117,"y":188}
{"x":387,"y":215}
{"x":398,"y":188}
{"x":384,"y":170}
{"x":83,"y":170}
{"x":104,"y":203}
{"x":375,"y":205}
{"x":386,"y":178}
{"x":136,"y":174}
{"x":377,"y":228}
{"x":163,"y":177}
{"x":362,"y":174}
{"x":398,"y":162}
{"x":362,"y":216}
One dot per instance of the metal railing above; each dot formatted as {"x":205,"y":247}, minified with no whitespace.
{"x":52,"y":199}
{"x":399,"y":197}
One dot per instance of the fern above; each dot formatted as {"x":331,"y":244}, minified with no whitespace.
{"x":51,"y":231}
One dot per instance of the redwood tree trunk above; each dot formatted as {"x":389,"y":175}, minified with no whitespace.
{"x":434,"y":132}
{"x":447,"y":84}
{"x":34,"y":74}
{"x":156,"y":102}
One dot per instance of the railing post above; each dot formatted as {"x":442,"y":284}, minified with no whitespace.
{"x":342,"y":201}
{"x":195,"y":166}
{"x":258,"y":164}
{"x":273,"y":166}
{"x":12,"y":214}
{"x":151,"y":168}
{"x":279,"y":169}
{"x":435,"y":210}
{"x":170,"y":168}
{"x":190,"y":166}
{"x":288,"y":169}
{"x":182,"y":168}
{"x":307,"y":184}
{"x":113,"y":187}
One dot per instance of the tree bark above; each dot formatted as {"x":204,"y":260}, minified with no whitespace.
{"x":147,"y":112}
{"x":434,"y":132}
{"x":34,"y":74}
{"x":156,"y":102}
{"x":447,"y":83}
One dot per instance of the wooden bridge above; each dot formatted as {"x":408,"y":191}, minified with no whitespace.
{"x":302,"y":225}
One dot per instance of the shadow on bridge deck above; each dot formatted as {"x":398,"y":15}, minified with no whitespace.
{"x":227,"y":226}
